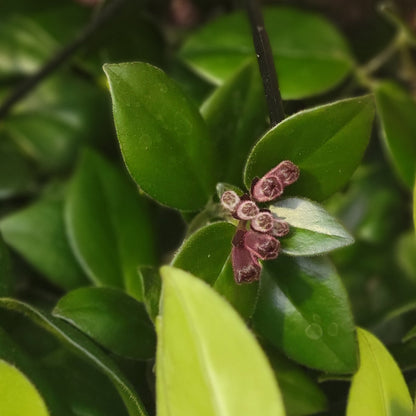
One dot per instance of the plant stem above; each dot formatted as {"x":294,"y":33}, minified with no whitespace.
{"x":266,"y":62}
{"x":59,"y":58}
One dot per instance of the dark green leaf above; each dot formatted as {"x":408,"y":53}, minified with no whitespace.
{"x":303,"y":310}
{"x":84,"y":347}
{"x":38,"y":234}
{"x":151,"y":287}
{"x":5,"y":275}
{"x":163,"y":138}
{"x":111,"y":318}
{"x":312,"y":229}
{"x":236,"y":116}
{"x":406,"y":254}
{"x":397,"y":111}
{"x":310,"y":55}
{"x":108,"y":224}
{"x":318,"y":141}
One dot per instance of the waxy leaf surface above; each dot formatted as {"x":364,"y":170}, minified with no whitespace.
{"x":310,"y":55}
{"x":303,"y":310}
{"x":312,"y":229}
{"x":112,"y":318}
{"x":378,"y":387}
{"x":163,"y":138}
{"x":208,"y":363}
{"x":326,"y":142}
{"x":108,"y":223}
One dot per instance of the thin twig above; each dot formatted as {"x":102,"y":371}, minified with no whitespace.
{"x":266,"y":62}
{"x":59,"y":58}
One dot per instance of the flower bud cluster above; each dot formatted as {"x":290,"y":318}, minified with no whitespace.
{"x":260,"y":241}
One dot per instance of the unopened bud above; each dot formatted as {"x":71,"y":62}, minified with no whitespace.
{"x":245,"y":266}
{"x":262,"y":222}
{"x":286,"y":171}
{"x":267,"y":188}
{"x":280,"y":228}
{"x":261,"y":245}
{"x":247,"y":210}
{"x":230,"y":200}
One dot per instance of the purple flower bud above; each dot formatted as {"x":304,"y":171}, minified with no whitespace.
{"x":267,"y":188}
{"x":261,"y":245}
{"x":230,"y":200}
{"x":262,"y":222}
{"x":247,"y":210}
{"x":286,"y":171}
{"x":245,"y":266}
{"x":280,"y":228}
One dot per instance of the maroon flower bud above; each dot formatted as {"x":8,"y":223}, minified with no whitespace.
{"x":267,"y":188}
{"x":230,"y":200}
{"x":262,"y":222}
{"x":261,"y":245}
{"x":280,"y":228}
{"x":286,"y":171}
{"x":245,"y":266}
{"x":246,"y":210}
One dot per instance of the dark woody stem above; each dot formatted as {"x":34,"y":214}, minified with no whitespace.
{"x":266,"y":62}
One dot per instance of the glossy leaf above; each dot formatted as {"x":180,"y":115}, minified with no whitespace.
{"x":378,"y":388}
{"x":397,"y":111}
{"x":236,"y":116}
{"x":310,"y":55}
{"x":83,"y":346}
{"x":38,"y":234}
{"x":312,"y":229}
{"x":108,"y":223}
{"x":211,"y":246}
{"x":19,"y":396}
{"x":111,"y":318}
{"x":317,"y":140}
{"x":303,"y":310}
{"x":163,"y":138}
{"x":222,"y":367}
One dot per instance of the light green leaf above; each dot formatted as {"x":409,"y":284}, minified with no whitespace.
{"x":310,"y":55}
{"x":378,"y":388}
{"x":327,"y":143}
{"x":18,"y":395}
{"x":84,"y":347}
{"x":303,"y":310}
{"x":38,"y":234}
{"x":163,"y":139}
{"x":108,"y":224}
{"x":312,"y":229}
{"x":397,"y":111}
{"x":208,"y":362}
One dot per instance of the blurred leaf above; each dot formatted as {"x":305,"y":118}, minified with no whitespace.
{"x":38,"y":234}
{"x":223,"y":366}
{"x":5,"y":275}
{"x":19,"y":396}
{"x":378,"y":388}
{"x":316,"y":140}
{"x":310,"y":55}
{"x":211,"y":246}
{"x":406,"y":254}
{"x":157,"y":126}
{"x":397,"y":111}
{"x":301,"y":394}
{"x":151,"y":287}
{"x":303,"y":310}
{"x":111,"y":318}
{"x":312,"y":229}
{"x":236,"y":116}
{"x":108,"y":224}
{"x":84,"y":347}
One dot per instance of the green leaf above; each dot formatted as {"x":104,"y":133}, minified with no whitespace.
{"x":236,"y":116}
{"x":108,"y":224}
{"x":6,"y":282}
{"x":38,"y":234}
{"x":397,"y":111}
{"x":208,"y":363}
{"x":312,"y":229}
{"x":317,"y":140}
{"x":151,"y":287}
{"x":310,"y":55}
{"x":19,"y":396}
{"x":163,"y":138}
{"x":378,"y":388}
{"x":111,"y":318}
{"x":303,"y":310}
{"x":84,"y":347}
{"x":211,"y":246}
